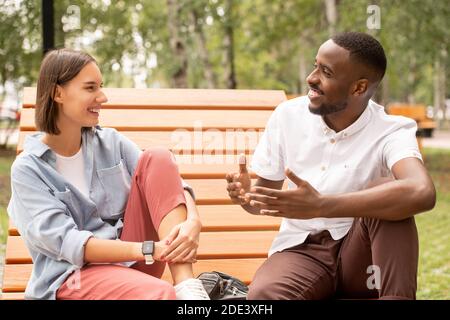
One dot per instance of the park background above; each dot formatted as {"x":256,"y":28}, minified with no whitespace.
{"x":248,"y":44}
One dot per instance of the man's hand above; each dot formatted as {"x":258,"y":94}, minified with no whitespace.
{"x":301,"y":203}
{"x":239,"y":183}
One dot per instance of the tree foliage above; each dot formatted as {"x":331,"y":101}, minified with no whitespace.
{"x":273,"y":42}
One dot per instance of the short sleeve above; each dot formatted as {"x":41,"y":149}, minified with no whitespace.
{"x":401,"y":144}
{"x":268,"y":159}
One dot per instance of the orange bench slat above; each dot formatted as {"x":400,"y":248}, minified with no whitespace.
{"x":188,"y":142}
{"x":219,"y":218}
{"x":170,"y":120}
{"x":130,"y":98}
{"x":213,"y":245}
{"x":16,"y":275}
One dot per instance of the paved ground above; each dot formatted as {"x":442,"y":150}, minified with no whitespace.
{"x":440,"y":139}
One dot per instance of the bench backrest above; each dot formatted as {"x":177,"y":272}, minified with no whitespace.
{"x":206,"y":130}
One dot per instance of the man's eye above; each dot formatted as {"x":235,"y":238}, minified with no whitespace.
{"x":90,"y":88}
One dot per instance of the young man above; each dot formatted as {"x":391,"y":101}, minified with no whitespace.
{"x":356,"y":181}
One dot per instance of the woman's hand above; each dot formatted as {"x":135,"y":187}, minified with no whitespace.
{"x":182,"y":242}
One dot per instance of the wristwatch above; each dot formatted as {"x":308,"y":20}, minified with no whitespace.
{"x":148,"y":247}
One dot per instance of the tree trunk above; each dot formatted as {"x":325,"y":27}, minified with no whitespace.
{"x":384,"y":91}
{"x":208,"y":72}
{"x":439,"y":89}
{"x":60,"y":35}
{"x":332,"y":15}
{"x":412,"y":79}
{"x":229,"y":46}
{"x":302,"y":73}
{"x":179,"y":76}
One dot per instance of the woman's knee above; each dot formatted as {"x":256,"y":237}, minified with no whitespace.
{"x":158,"y":154}
{"x":159,"y":159}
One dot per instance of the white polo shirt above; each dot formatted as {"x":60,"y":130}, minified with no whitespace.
{"x":331,"y":162}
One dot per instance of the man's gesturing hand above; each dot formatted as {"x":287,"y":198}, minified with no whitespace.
{"x":304,"y":202}
{"x":239,"y":183}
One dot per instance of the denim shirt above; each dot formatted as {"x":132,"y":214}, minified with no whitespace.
{"x":54,"y":218}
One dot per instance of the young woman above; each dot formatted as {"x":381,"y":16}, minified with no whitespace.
{"x":91,"y":206}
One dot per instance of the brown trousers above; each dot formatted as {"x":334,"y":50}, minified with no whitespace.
{"x":376,"y":259}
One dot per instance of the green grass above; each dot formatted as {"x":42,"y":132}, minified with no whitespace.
{"x":433,"y":226}
{"x":434,"y":254}
{"x":6,"y":159}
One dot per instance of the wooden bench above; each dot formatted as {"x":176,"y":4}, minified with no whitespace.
{"x":206,"y":130}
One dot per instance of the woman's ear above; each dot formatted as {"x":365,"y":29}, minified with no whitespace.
{"x":57,"y":96}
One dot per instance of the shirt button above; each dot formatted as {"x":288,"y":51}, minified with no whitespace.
{"x":332,"y":140}
{"x":345,"y":134}
{"x":323,"y":168}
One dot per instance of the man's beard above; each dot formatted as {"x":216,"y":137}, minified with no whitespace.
{"x":325,"y":109}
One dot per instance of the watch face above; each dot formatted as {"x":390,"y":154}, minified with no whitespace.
{"x":147,"y":247}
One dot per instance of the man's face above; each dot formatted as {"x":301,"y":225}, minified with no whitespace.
{"x":330,"y":81}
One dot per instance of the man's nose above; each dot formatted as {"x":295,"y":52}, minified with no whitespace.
{"x":312,"y":78}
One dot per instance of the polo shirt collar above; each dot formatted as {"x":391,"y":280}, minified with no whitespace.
{"x":356,"y":126}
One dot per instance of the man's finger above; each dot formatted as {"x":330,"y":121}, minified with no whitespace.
{"x":242,"y":163}
{"x":234,"y":194}
{"x":262,"y":198}
{"x":262,"y":205}
{"x":274,"y":213}
{"x":268,"y":192}
{"x":229,"y":177}
{"x":291,"y":175}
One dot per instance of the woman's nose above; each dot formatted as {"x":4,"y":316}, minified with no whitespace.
{"x":102,"y":98}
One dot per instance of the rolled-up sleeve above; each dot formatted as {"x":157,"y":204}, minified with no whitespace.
{"x":401,"y":144}
{"x":43,"y":219}
{"x":188,"y":188}
{"x":268,"y":158}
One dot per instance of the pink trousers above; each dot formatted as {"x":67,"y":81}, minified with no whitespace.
{"x":156,"y":189}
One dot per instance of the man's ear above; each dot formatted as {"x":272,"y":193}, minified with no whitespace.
{"x":57,"y":95}
{"x":360,"y":87}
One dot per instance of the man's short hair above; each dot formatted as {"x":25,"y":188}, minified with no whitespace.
{"x":365,"y":49}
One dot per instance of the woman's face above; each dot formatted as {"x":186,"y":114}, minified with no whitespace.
{"x":81,"y":98}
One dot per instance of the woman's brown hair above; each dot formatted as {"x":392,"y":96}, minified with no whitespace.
{"x":58,"y":68}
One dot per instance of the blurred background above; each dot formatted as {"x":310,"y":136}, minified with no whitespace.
{"x":247,"y":44}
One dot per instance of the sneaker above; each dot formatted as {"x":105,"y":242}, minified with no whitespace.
{"x":191,"y":289}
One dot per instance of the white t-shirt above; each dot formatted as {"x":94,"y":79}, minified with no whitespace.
{"x":72,"y":169}
{"x":331,"y":162}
